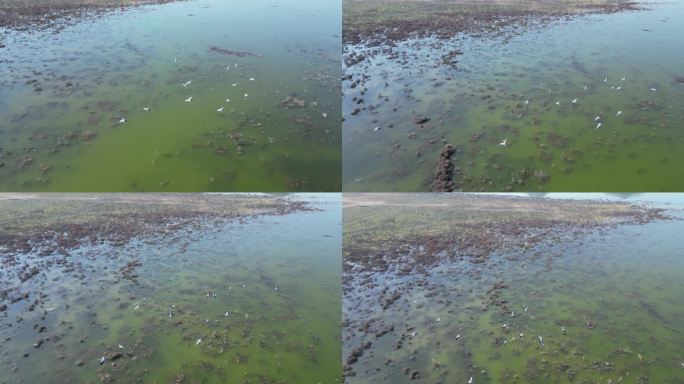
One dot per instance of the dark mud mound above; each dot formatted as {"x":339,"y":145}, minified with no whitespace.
{"x":232,"y":52}
{"x":444,"y":172}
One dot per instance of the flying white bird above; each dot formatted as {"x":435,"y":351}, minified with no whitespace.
{"x":574,"y":101}
{"x":653,"y":89}
{"x":597,"y":118}
{"x":618,"y":113}
{"x":189,"y":99}
{"x":187,"y":83}
{"x":503,"y":143}
{"x":598,"y":126}
{"x":198,"y":341}
{"x":219,"y":110}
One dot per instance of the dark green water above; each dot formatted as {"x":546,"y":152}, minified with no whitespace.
{"x":219,"y":284}
{"x":617,"y":294}
{"x":63,"y":95}
{"x":482,"y":103}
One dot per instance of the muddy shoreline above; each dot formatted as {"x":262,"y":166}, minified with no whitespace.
{"x":43,"y":14}
{"x":40,"y":232}
{"x":398,"y":249}
{"x":385,"y":22}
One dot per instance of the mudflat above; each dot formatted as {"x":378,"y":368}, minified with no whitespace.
{"x":391,"y":20}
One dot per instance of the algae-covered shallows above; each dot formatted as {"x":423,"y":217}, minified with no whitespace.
{"x":170,"y":288}
{"x":459,"y":288}
{"x":532,"y":95}
{"x":205,"y":95}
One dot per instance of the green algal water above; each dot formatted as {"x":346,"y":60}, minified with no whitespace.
{"x":255,"y":301}
{"x":101,"y":104}
{"x":543,"y":90}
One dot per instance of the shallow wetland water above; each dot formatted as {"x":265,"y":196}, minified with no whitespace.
{"x":201,"y":95}
{"x":571,"y":299}
{"x":210,"y":291}
{"x":590,"y":102}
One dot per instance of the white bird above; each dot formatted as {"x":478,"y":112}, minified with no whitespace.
{"x":228,"y":68}
{"x":175,"y":59}
{"x":413,"y":334}
{"x":527,"y":101}
{"x":605,"y":80}
{"x":623,"y":78}
{"x":597,"y":118}
{"x":325,"y":115}
{"x":50,"y":309}
{"x":198,"y":341}
{"x":189,"y":99}
{"x":122,"y":121}
{"x":121,"y":346}
{"x":276,"y":287}
{"x":618,"y":113}
{"x":246,"y":95}
{"x":470,"y":381}
{"x":618,"y":88}
{"x":146,"y":109}
{"x":226,"y":314}
{"x":236,"y":65}
{"x":102,"y":360}
{"x":503,"y":143}
{"x":170,"y":313}
{"x":234,"y":84}
{"x":522,"y":334}
{"x":220,"y":110}
{"x":585,"y":87}
{"x":653,"y":89}
{"x":541,"y":341}
{"x":251,"y":79}
{"x":557,"y":102}
{"x":187,"y":83}
{"x":376,"y":129}
{"x":574,"y":101}
{"x":227,"y":100}
{"x":598,"y":126}
{"x":438,"y":319}
{"x":458,"y":336}
{"x":136,"y":307}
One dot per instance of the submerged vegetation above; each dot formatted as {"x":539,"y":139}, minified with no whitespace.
{"x":502,"y":289}
{"x":521,"y":96}
{"x":168,"y":288}
{"x":185,"y":96}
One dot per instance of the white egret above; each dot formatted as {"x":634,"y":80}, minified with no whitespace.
{"x":189,"y":99}
{"x":503,"y":143}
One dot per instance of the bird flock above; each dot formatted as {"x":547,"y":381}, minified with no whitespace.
{"x":597,"y":120}
{"x":188,"y":84}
